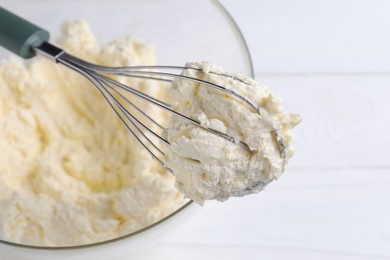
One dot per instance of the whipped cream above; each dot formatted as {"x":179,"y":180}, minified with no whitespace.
{"x":70,"y":172}
{"x":208,"y":166}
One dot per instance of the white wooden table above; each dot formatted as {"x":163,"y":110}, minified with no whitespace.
{"x":330,"y":60}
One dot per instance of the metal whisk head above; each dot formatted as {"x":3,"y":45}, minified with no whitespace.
{"x":113,"y":92}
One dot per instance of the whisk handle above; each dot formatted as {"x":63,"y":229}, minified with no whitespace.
{"x":18,"y":35}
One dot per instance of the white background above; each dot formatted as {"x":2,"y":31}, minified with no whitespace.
{"x":330,"y":61}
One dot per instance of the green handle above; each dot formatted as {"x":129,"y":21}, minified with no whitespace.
{"x":18,"y":35}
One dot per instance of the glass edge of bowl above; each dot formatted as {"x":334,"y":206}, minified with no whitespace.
{"x":188,"y":203}
{"x":219,"y":6}
{"x":240,"y":36}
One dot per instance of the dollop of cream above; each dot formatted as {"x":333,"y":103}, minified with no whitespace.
{"x":208,"y":166}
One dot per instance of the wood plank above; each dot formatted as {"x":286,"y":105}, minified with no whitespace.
{"x":191,"y":252}
{"x":336,"y":211}
{"x":345,"y":119}
{"x":307,"y":36}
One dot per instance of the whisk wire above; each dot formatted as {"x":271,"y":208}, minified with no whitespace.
{"x":143,"y":70}
{"x":129,"y":116}
{"x":136,"y":107}
{"x":109,"y":87}
{"x":114,"y":104}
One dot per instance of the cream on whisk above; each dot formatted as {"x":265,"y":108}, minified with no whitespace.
{"x":207,"y":166}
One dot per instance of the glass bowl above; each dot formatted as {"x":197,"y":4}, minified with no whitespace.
{"x":181,"y":31}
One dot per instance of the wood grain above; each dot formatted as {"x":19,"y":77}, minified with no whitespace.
{"x":316,"y":36}
{"x":345,"y":119}
{"x":340,"y":211}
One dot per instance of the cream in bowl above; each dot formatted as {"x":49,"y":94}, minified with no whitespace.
{"x":70,"y":173}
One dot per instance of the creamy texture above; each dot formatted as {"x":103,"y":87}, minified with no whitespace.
{"x":208,"y":166}
{"x":70,"y":173}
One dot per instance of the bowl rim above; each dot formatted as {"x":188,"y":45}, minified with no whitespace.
{"x":229,"y":18}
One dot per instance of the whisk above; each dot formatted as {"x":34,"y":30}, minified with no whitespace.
{"x":26,"y":40}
